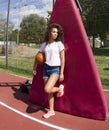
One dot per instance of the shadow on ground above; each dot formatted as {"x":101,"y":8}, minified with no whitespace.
{"x":24,"y":97}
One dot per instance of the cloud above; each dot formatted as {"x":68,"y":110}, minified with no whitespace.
{"x":39,"y":8}
{"x":26,"y":8}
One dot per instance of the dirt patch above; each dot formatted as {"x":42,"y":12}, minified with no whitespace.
{"x":24,"y":51}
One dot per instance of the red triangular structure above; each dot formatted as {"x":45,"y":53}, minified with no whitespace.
{"x":84,"y":95}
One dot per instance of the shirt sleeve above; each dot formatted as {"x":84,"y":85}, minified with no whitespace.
{"x":41,"y":49}
{"x":61,"y":46}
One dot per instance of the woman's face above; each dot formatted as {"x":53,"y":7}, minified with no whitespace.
{"x":54,"y":33}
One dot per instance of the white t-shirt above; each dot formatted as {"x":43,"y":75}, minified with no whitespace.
{"x":52,"y":52}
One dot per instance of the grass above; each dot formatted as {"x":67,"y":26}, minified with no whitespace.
{"x":18,"y":65}
{"x":23,"y":65}
{"x":102,"y":61}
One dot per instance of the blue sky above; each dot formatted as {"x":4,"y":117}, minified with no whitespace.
{"x":21,"y":8}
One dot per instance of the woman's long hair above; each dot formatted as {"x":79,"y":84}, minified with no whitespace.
{"x":60,"y":36}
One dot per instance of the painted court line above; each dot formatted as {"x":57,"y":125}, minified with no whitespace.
{"x":106,"y":90}
{"x":32,"y":118}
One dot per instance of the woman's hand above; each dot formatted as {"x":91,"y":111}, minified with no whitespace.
{"x":61,"y":77}
{"x":34,"y":72}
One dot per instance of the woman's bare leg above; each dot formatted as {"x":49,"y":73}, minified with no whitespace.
{"x":50,"y":89}
{"x":50,"y":84}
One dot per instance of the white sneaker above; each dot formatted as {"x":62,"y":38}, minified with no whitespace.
{"x":49,"y":114}
{"x":61,"y":92}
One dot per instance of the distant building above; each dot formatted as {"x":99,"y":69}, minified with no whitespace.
{"x":10,"y":43}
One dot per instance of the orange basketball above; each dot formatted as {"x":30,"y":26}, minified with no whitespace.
{"x":40,"y":58}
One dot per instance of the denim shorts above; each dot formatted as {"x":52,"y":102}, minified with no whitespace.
{"x":49,"y":70}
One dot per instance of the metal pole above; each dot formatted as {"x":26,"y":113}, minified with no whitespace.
{"x":53,"y":2}
{"x":7,"y":23}
{"x":17,"y":37}
{"x":79,"y":6}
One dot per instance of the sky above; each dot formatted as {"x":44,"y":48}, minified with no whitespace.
{"x":21,"y":8}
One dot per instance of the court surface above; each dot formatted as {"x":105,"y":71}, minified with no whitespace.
{"x":17,"y":113}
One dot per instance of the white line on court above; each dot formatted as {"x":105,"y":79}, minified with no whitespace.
{"x":32,"y":118}
{"x":107,"y":90}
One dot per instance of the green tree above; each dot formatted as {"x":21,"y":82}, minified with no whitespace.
{"x":32,"y":29}
{"x":3,"y":29}
{"x":49,"y":15}
{"x":13,"y":35}
{"x":96,"y":17}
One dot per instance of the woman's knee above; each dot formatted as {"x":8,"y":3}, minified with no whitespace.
{"x":47,"y":90}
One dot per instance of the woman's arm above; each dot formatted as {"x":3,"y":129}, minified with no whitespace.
{"x":62,"y":58}
{"x":34,"y":66}
{"x":35,"y":62}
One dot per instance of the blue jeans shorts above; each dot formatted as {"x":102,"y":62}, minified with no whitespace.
{"x":49,"y":70}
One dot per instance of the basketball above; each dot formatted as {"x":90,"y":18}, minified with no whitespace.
{"x":40,"y":58}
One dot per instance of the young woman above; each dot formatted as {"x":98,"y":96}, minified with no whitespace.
{"x":53,"y":48}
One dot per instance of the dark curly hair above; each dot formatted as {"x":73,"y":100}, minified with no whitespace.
{"x":60,"y":36}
